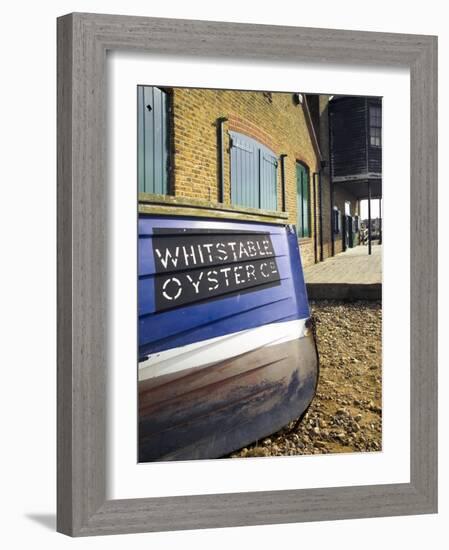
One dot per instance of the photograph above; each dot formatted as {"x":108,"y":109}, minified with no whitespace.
{"x":259,"y":273}
{"x":237,"y":344}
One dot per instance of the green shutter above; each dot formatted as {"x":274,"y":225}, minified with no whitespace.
{"x":302,"y":201}
{"x":305,"y":202}
{"x":153,"y":140}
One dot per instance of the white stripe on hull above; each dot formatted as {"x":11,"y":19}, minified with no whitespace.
{"x":220,"y":348}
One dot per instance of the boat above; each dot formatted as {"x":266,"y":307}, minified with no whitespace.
{"x":227,"y":354}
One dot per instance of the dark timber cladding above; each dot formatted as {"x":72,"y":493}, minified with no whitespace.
{"x":356,"y":152}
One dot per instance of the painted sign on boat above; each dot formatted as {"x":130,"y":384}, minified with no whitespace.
{"x":195,"y":265}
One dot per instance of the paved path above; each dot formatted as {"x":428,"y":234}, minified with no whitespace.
{"x":352,"y":275}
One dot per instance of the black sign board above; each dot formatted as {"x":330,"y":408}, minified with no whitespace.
{"x":193,"y":265}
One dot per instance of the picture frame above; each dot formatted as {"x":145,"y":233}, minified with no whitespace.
{"x":83,"y":40}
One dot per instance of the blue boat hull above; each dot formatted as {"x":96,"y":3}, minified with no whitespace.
{"x":226,"y":356}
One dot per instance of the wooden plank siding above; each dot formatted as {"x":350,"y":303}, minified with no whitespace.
{"x":352,"y":156}
{"x":374,"y":153}
{"x":153,"y":140}
{"x":253,"y":173}
{"x":348,"y":136}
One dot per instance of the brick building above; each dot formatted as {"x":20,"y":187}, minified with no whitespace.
{"x":251,"y":154}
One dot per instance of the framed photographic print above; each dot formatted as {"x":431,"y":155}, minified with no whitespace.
{"x":243,"y":319}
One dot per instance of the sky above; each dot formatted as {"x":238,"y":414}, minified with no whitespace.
{"x":374,"y":209}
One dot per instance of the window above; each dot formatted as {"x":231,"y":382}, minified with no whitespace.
{"x":375,"y":126}
{"x":152,"y":140}
{"x":336,"y":220}
{"x":253,"y":173}
{"x":302,"y":201}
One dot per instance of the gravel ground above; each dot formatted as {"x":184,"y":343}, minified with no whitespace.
{"x":345,"y":415}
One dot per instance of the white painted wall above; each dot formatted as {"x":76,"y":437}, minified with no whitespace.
{"x":27,"y":299}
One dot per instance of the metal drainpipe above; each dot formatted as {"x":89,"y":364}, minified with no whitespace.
{"x":369,"y":217}
{"x":331,"y":186}
{"x":380,"y":221}
{"x":332,"y":217}
{"x":220,"y":145}
{"x":320,"y":210}
{"x":315,"y":243}
{"x":282,"y":159}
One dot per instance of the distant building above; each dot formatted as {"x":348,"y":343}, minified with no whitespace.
{"x":376,"y":228}
{"x":350,"y":137}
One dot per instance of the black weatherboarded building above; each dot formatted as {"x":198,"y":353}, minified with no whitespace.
{"x":356,"y":146}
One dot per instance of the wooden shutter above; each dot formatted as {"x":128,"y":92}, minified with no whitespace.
{"x":153,"y":140}
{"x":305,"y":203}
{"x":244,"y":171}
{"x":253,"y":173}
{"x":302,"y":201}
{"x":268,"y":180}
{"x":299,"y":203}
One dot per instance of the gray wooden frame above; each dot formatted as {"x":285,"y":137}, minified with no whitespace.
{"x":83,"y":40}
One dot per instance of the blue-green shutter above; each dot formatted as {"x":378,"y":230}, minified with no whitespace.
{"x":253,"y":173}
{"x":153,"y":140}
{"x":302,"y":201}
{"x":305,"y":203}
{"x":244,"y":171}
{"x":268,"y":180}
